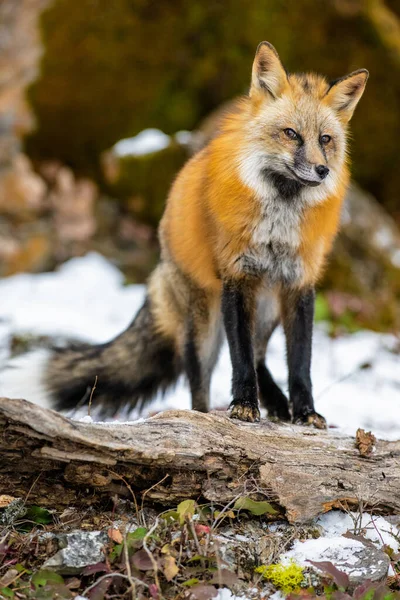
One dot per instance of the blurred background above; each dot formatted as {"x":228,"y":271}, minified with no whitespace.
{"x":76,"y":78}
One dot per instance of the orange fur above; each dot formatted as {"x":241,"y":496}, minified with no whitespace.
{"x":319,"y":228}
{"x":213,"y":211}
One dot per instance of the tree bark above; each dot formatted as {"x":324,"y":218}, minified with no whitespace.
{"x":180,"y":454}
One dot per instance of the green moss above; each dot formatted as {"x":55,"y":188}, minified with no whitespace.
{"x":287,"y":578}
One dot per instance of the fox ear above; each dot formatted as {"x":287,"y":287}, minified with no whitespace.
{"x":343,"y":94}
{"x":268,"y":73}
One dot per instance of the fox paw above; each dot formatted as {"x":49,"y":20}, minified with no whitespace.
{"x":279,"y":413}
{"x":312,"y":419}
{"x":245,"y":412}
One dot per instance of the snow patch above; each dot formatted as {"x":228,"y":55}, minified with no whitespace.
{"x":332,"y":546}
{"x":86,"y":419}
{"x":374,"y":528}
{"x":145,"y":142}
{"x":336,"y":550}
{"x":225,"y":594}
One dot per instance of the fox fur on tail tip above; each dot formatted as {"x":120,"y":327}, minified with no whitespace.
{"x":247,"y":227}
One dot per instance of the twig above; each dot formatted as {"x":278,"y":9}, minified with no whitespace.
{"x":149,"y":554}
{"x":377,"y":530}
{"x":100,"y":579}
{"x":196,"y":541}
{"x":31,"y":488}
{"x":218,"y":519}
{"x":131,"y":491}
{"x":340,"y":380}
{"x":149,"y":490}
{"x":91,"y":395}
{"x":218,"y":559}
{"x":128,"y":568}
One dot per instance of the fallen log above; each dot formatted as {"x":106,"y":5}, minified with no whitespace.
{"x":177,"y":455}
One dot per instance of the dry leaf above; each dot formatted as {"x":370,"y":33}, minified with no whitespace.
{"x":5,"y":500}
{"x":8,"y":577}
{"x":225,"y":577}
{"x":115,"y":535}
{"x":339,"y":577}
{"x":166,"y":549}
{"x":170,"y":568}
{"x":142,"y":561}
{"x":203,"y":592}
{"x":365,"y":442}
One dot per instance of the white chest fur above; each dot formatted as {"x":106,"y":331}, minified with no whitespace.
{"x":273,"y":251}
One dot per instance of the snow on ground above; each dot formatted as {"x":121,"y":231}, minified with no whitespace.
{"x":87,"y":299}
{"x":335,"y":548}
{"x":375,"y":528}
{"x":225,"y":594}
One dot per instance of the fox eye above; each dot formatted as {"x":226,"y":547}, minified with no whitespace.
{"x":291,"y":134}
{"x":325,"y":139}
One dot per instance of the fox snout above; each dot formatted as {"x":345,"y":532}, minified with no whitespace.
{"x":309,"y":174}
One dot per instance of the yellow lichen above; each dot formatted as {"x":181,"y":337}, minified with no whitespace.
{"x":286,"y":578}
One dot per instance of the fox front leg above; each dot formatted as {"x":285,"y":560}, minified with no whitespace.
{"x":238,"y":310}
{"x":298,"y":315}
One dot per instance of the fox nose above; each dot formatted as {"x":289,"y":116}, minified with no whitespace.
{"x":322,"y":171}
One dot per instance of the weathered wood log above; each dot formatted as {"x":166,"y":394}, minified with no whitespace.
{"x":58,"y":462}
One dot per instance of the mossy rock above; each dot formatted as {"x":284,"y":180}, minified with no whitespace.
{"x":141,"y":183}
{"x":111,"y":69}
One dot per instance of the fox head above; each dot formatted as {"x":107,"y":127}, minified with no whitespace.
{"x":298,"y":122}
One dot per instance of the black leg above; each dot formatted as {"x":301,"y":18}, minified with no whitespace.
{"x":198,"y":381}
{"x":271,"y":395}
{"x":238,"y":310}
{"x":298,"y":315}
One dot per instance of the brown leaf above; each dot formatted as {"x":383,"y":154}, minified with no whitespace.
{"x":5,"y":500}
{"x":100,"y":567}
{"x":225,"y":577}
{"x":74,"y":583}
{"x":8,"y":577}
{"x":141,"y":560}
{"x":115,"y":535}
{"x":170,"y":567}
{"x":203,"y":592}
{"x":340,"y":578}
{"x":100,"y":590}
{"x":365,"y":442}
{"x":154,"y":593}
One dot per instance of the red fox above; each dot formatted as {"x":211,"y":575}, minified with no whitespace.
{"x":248,"y":224}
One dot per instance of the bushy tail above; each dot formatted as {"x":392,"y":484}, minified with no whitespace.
{"x":129,"y":370}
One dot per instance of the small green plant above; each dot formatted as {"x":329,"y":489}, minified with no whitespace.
{"x":286,"y":578}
